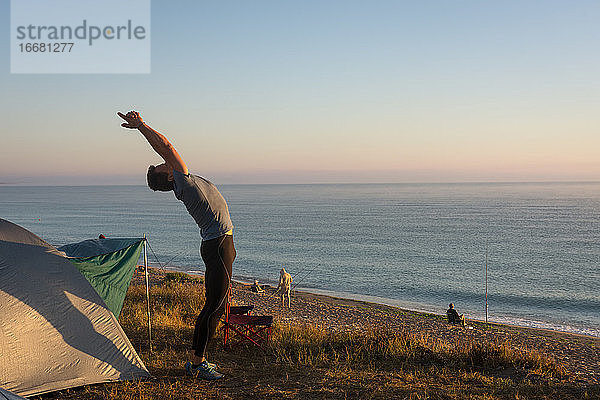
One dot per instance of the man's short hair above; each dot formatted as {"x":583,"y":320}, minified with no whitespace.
{"x":158,"y":180}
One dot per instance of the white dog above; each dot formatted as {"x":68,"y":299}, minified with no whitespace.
{"x":285,"y":286}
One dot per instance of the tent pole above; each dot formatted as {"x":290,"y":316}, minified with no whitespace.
{"x":147,"y":292}
{"x":486,"y":281}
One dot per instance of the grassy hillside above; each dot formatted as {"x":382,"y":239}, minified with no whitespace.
{"x":307,"y":362}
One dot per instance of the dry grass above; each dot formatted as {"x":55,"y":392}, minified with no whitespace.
{"x":305,"y":362}
{"x":308,"y":346}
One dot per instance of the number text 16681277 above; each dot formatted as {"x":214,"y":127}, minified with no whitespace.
{"x":61,"y":47}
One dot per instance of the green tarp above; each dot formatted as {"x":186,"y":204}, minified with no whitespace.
{"x":108,"y":264}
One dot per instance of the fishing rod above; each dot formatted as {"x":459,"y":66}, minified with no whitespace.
{"x":302,"y":273}
{"x":304,"y":276}
{"x":302,"y":270}
{"x":277,"y":290}
{"x":486,"y":282}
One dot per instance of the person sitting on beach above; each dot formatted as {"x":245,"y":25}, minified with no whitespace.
{"x":285,"y":286}
{"x":453,"y":316}
{"x":208,"y":208}
{"x":256,"y":287}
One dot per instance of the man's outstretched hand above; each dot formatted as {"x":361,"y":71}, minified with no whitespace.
{"x":133,"y":118}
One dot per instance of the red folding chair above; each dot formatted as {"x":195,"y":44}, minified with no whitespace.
{"x":241,"y":327}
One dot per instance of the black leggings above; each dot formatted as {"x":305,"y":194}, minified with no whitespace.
{"x":218,"y":255}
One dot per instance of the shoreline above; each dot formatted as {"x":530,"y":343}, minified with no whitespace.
{"x":406,"y":306}
{"x":578,"y":354}
{"x":425,"y":309}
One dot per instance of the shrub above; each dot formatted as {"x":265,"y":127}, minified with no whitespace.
{"x":180,"y":277}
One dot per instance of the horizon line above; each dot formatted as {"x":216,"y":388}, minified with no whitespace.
{"x":483,"y":182}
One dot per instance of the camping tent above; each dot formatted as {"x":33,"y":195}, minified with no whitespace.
{"x":57,"y":331}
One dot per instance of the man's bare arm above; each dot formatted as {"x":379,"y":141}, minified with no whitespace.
{"x":164,"y":148}
{"x":159,"y":142}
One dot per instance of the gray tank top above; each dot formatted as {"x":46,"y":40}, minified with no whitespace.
{"x":204,"y":203}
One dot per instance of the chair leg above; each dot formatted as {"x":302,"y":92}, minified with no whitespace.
{"x":255,"y":335}
{"x":227,"y":305}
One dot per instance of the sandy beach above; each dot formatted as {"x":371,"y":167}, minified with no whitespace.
{"x":578,"y":354}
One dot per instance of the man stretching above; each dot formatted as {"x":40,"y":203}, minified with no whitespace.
{"x":209,"y":209}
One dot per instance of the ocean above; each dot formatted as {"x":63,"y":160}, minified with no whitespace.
{"x":417,"y":246}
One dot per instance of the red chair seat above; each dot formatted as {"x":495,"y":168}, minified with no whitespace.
{"x":256,"y":320}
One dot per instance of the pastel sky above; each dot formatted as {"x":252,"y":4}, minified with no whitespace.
{"x":326,"y":91}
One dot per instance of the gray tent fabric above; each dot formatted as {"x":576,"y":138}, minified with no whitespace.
{"x":6,"y":395}
{"x":56,"y":332}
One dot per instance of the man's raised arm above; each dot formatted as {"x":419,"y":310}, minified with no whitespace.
{"x":159,"y":143}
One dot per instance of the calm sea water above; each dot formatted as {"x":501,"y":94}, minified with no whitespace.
{"x":419,"y":246}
